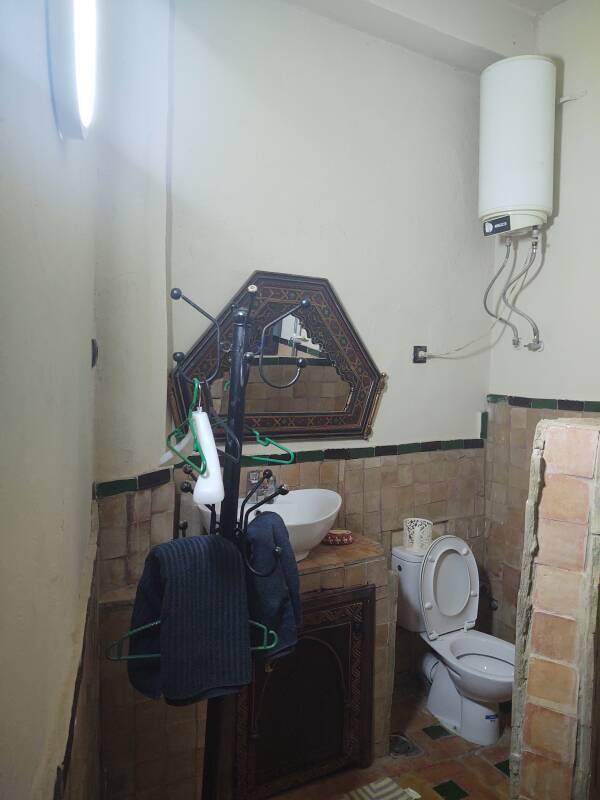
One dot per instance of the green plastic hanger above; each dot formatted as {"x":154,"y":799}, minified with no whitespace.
{"x":114,"y":651}
{"x":179,"y":433}
{"x":265,"y":441}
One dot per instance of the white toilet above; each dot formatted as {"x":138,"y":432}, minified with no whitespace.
{"x":471,"y":672}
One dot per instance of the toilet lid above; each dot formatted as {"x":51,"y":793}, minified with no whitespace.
{"x":449,"y":587}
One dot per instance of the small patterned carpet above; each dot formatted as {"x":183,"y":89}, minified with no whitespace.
{"x":382,"y":789}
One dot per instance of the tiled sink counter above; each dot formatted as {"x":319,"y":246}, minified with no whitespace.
{"x":150,"y":746}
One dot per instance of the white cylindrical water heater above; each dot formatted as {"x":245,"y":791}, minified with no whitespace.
{"x":516,"y":143}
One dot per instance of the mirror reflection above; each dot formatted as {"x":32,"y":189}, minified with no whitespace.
{"x":318,"y":390}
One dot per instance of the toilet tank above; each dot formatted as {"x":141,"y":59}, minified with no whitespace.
{"x":407,"y":565}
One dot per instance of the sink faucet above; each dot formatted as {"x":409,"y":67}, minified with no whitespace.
{"x":266,"y":488}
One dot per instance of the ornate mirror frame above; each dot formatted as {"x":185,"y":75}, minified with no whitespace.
{"x":328,"y":325}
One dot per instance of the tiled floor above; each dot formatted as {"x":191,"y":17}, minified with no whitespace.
{"x":447,"y":768}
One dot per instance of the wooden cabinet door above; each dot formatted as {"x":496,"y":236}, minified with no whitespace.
{"x":310,"y":713}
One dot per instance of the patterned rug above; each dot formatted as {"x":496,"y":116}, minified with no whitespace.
{"x":383,"y":789}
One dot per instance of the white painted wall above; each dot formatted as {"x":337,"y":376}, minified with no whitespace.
{"x":564,"y":298}
{"x":303,"y":146}
{"x":46,"y":323}
{"x":131,"y":297}
{"x":469,"y":34}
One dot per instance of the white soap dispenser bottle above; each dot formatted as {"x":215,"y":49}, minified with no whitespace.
{"x":209,"y":486}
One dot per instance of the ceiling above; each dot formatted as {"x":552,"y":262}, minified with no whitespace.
{"x":536,"y":7}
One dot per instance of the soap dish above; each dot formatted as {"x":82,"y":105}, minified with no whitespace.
{"x":338,"y":536}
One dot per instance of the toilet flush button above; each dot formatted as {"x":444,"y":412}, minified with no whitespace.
{"x":473,"y":593}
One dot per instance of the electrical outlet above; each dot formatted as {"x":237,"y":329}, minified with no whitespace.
{"x":419,"y":354}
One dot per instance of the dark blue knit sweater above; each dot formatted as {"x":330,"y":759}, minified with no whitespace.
{"x":196,"y":587}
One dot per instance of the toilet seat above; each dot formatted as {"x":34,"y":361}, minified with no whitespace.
{"x":481,"y":666}
{"x":476,"y":653}
{"x":449,"y":587}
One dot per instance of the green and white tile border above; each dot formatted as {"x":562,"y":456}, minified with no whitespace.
{"x":151,"y":479}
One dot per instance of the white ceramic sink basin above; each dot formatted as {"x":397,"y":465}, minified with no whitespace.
{"x":307,"y":513}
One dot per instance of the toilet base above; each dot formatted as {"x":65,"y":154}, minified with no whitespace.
{"x":474,"y":721}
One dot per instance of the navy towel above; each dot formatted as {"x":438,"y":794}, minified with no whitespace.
{"x":196,"y":586}
{"x":274,"y":601}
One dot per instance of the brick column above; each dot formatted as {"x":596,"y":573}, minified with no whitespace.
{"x":551,"y":756}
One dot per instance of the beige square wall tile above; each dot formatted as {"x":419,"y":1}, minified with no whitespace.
{"x":518,"y":417}
{"x":356,"y":575}
{"x":353,"y":480}
{"x":328,"y":472}
{"x":113,"y":542}
{"x":354,"y":503}
{"x":138,"y":538}
{"x":112,"y":511}
{"x":161,"y":527}
{"x":309,"y":474}
{"x":112,"y":574}
{"x":390,"y":498}
{"x":377,"y":573}
{"x":310,"y":582}
{"x":141,"y":502}
{"x":373,"y":524}
{"x":372,"y":501}
{"x":163,"y":498}
{"x":372,"y":480}
{"x":332,"y":579}
{"x":290,"y":475}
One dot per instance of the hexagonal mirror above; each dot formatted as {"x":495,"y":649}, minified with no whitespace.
{"x":338,"y":391}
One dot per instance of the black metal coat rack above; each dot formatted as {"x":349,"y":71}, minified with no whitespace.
{"x":218,"y":761}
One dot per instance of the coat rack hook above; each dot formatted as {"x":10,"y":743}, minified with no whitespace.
{"x":177,"y":294}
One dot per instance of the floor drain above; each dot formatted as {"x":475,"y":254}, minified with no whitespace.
{"x":403,"y":746}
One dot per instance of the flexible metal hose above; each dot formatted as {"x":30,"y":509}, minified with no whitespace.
{"x":497,"y":316}
{"x":529,"y":261}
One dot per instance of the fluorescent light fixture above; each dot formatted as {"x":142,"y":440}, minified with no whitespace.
{"x":84,"y":28}
{"x":72,"y":35}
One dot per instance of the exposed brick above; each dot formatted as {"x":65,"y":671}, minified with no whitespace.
{"x":556,"y":590}
{"x":561,"y":544}
{"x":542,"y":779}
{"x":553,"y":684}
{"x":565,"y":498}
{"x":553,"y":637}
{"x":549,"y":733}
{"x":571,"y":450}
